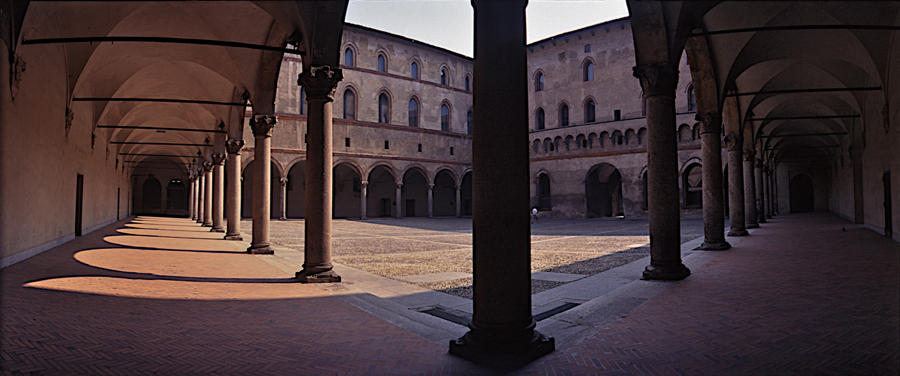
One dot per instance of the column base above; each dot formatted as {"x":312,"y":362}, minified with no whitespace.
{"x":714,"y":246}
{"x":233,"y":237}
{"x":738,"y":233}
{"x":217,"y":229}
{"x":317,"y":276}
{"x":260,"y":249}
{"x":666,"y":273}
{"x":753,"y":225}
{"x":506,"y":354}
{"x":206,"y":224}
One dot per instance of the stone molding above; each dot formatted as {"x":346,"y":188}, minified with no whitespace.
{"x":233,"y":145}
{"x":710,"y":122}
{"x":657,"y":78}
{"x":262,"y":125}
{"x":320,"y":82}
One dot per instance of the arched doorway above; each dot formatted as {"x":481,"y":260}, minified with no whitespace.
{"x":802,"y":194}
{"x":247,"y":178}
{"x":176,"y":196}
{"x":415,"y":193}
{"x":296,"y":191}
{"x":603,"y":190}
{"x":151,"y":193}
{"x":543,"y":189}
{"x":346,"y":191}
{"x":444,"y":194}
{"x":465,"y":194}
{"x":692,"y":183}
{"x":380,"y":193}
{"x":645,"y":195}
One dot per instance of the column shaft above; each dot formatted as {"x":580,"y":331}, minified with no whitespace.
{"x":430,"y":200}
{"x":750,"y":190}
{"x":362,"y":199}
{"x":207,"y":196}
{"x":282,"y":201}
{"x":713,"y":200}
{"x":191,"y":195}
{"x":233,"y":190}
{"x":502,"y":327}
{"x":736,"y":185}
{"x":398,"y":196}
{"x":262,"y":182}
{"x":201,"y":190}
{"x":218,"y":196}
{"x":319,"y":83}
{"x":458,"y":204}
{"x":760,"y":193}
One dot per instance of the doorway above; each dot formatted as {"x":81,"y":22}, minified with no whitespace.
{"x":888,"y":207}
{"x":802,"y":198}
{"x":79,"y":196}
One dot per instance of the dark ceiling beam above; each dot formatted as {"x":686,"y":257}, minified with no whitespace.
{"x":162,"y":129}
{"x":805,"y":134}
{"x":195,"y":41}
{"x":807,"y":117}
{"x":157,"y":100}
{"x":811,"y":90}
{"x":159,"y":155}
{"x":806,"y":147}
{"x":796,"y":28}
{"x":157,"y":143}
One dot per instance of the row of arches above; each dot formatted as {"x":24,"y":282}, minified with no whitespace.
{"x":153,"y":199}
{"x":413,"y":110}
{"x":591,"y":141}
{"x":382,"y":60}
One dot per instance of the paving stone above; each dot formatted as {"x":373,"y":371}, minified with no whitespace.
{"x":435,"y":277}
{"x":556,"y":277}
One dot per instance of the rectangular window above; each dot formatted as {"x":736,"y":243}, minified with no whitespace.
{"x":305,"y":138}
{"x":617,"y":114}
{"x":420,"y":148}
{"x":587,"y":48}
{"x":347,"y":142}
{"x":451,"y":150}
{"x":386,"y":144}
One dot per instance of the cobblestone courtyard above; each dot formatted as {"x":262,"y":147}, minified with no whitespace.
{"x":436,"y":253}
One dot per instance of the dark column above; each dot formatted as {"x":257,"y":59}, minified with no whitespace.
{"x":282,"y":201}
{"x":191,"y":196}
{"x":201,"y":189}
{"x":430,"y":200}
{"x":398,"y":196}
{"x":713,"y":200}
{"x":734,"y":143}
{"x":658,"y":81}
{"x":207,"y":194}
{"x":502,"y":328}
{"x":233,"y":191}
{"x":363,"y":186}
{"x":750,"y":189}
{"x":218,"y":196}
{"x":319,"y":82}
{"x":770,"y":200}
{"x":262,"y":182}
{"x":760,"y":193}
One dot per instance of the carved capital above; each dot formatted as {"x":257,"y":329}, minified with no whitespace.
{"x":320,"y":82}
{"x":732,"y":141}
{"x":218,"y":159}
{"x":207,"y":166}
{"x":749,"y":154}
{"x":710,"y":122}
{"x":283,"y":181}
{"x":233,"y":145}
{"x":262,"y":125}
{"x":657,"y":79}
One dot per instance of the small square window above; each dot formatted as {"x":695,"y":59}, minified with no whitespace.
{"x":617,"y":114}
{"x":386,"y":144}
{"x":420,"y":148}
{"x":305,"y":138}
{"x":587,"y":48}
{"x":451,"y":150}
{"x":347,"y":142}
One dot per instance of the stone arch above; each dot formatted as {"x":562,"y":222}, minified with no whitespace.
{"x":548,"y":145}
{"x":616,"y":138}
{"x":641,"y":135}
{"x":346,"y":190}
{"x":384,"y":109}
{"x":446,"y":125}
{"x":536,"y":146}
{"x":381,"y":191}
{"x":414,"y":193}
{"x":684,"y":133}
{"x":557,"y":142}
{"x":465,"y":193}
{"x":151,"y":195}
{"x":415,"y":60}
{"x":538,"y":79}
{"x":444,"y":193}
{"x":581,"y":141}
{"x":349,"y":111}
{"x":802,"y":194}
{"x":629,"y":137}
{"x":593,"y":140}
{"x":603,"y":191}
{"x":176,"y":195}
{"x":247,"y":185}
{"x":387,"y":60}
{"x":603,"y":139}
{"x":355,"y":52}
{"x":569,"y":141}
{"x":296,"y":190}
{"x":543,"y":184}
{"x":692,"y":185}
{"x":445,"y":69}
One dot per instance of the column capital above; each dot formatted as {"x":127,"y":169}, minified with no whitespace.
{"x":732,"y":141}
{"x":262,"y":125}
{"x":749,"y":154}
{"x":430,"y":186}
{"x":710,"y":122}
{"x":320,"y":81}
{"x":657,"y":78}
{"x":364,"y":182}
{"x":207,"y":166}
{"x":283,"y":181}
{"x":233,"y":145}
{"x":218,"y":159}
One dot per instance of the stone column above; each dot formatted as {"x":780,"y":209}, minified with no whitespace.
{"x":207,"y":194}
{"x":233,"y":190}
{"x":458,"y":204}
{"x":659,"y":81}
{"x":760,"y":194}
{"x":363,"y":187}
{"x":282,"y":202}
{"x":191,"y":193}
{"x":769,"y":199}
{"x":713,"y":200}
{"x":736,"y":184}
{"x":398,"y":196}
{"x":775,"y":191}
{"x":319,"y":82}
{"x":750,"y":189}
{"x":218,"y":196}
{"x":502,"y":331}
{"x":262,"y":182}
{"x":430,"y":200}
{"x":201,"y":191}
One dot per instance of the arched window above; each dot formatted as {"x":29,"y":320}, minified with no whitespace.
{"x":588,"y":71}
{"x":349,"y":104}
{"x":539,"y":119}
{"x":445,"y":117}
{"x":413,"y":112}
{"x":469,"y":122}
{"x":444,"y":76}
{"x":564,"y":115}
{"x":384,"y":108}
{"x":539,"y":82}
{"x":691,"y":101}
{"x":382,"y":63}
{"x":302,"y":100}
{"x":693,"y":186}
{"x":414,"y":70}
{"x":348,"y":57}
{"x":589,"y":111}
{"x":467,"y":83}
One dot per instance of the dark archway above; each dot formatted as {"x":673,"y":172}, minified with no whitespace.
{"x":415,"y":193}
{"x":888,"y":207}
{"x":465,"y":194}
{"x":380,"y":193}
{"x":346,"y":191}
{"x":444,"y":194}
{"x":603,"y":190}
{"x":151,"y":193}
{"x":296,"y":191}
{"x":247,"y":191}
{"x":544,"y":197}
{"x":176,"y":195}
{"x":692,"y":182}
{"x":802,"y":194}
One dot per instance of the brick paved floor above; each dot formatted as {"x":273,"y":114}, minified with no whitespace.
{"x":163,"y":296}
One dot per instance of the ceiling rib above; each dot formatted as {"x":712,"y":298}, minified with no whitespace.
{"x":805,"y":134}
{"x":796,"y":28}
{"x":159,"y":155}
{"x":805,"y":117}
{"x":811,"y":90}
{"x":195,"y":41}
{"x":158,"y":100}
{"x":157,"y":143}
{"x":162,"y":128}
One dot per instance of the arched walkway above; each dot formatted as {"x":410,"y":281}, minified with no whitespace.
{"x":543,"y":189}
{"x":247,"y":185}
{"x":151,"y":196}
{"x":692,"y":183}
{"x":380,"y":201}
{"x":444,"y":194}
{"x":176,"y":196}
{"x":296,"y":191}
{"x":415,"y":193}
{"x":603,"y":191}
{"x":465,"y":194}
{"x":802,"y":194}
{"x":346,"y":192}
